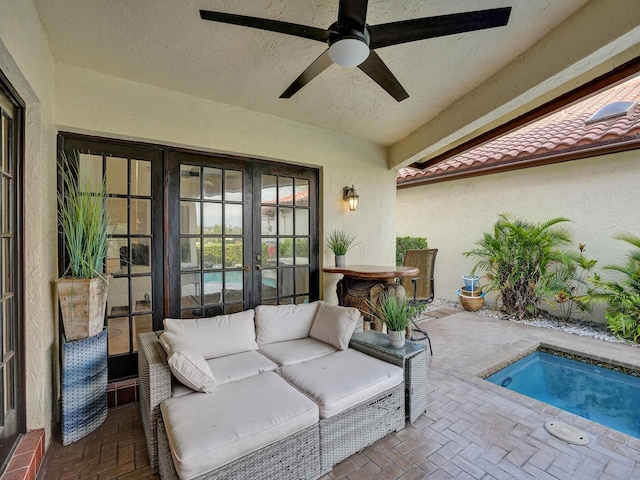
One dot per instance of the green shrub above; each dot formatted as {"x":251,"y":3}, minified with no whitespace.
{"x":622,"y":297}
{"x":213,"y":255}
{"x":522,"y":260}
{"x":570,"y":284}
{"x":408,"y":243}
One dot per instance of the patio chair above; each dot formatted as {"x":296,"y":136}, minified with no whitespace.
{"x":421,"y":288}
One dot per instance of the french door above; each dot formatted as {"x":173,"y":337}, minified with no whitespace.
{"x":12,"y":407}
{"x":196,"y":235}
{"x":244,"y":233}
{"x":134,"y":179}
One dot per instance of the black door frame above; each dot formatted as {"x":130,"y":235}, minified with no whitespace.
{"x":125,"y":366}
{"x":7,"y":444}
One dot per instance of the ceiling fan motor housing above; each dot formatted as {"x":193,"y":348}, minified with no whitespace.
{"x":347,"y":46}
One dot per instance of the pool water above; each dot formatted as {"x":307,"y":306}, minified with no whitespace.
{"x":599,"y":394}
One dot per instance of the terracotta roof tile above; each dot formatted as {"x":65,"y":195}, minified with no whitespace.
{"x":555,"y":133}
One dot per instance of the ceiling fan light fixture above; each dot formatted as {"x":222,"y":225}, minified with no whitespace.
{"x":349,"y":52}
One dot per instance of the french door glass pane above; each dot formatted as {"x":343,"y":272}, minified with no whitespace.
{"x":211,"y":240}
{"x":141,"y":324}
{"x":119,"y":222}
{"x":118,"y":335}
{"x":212,"y":218}
{"x":269,"y":189}
{"x":189,"y":182}
{"x":191,"y":288}
{"x":7,"y":220}
{"x":117,"y":175}
{"x":190,"y":217}
{"x":129,"y":253}
{"x":140,"y":177}
{"x":212,"y":256}
{"x":302,"y":251}
{"x":90,"y":171}
{"x":212,"y":184}
{"x":285,"y":239}
{"x":141,"y":216}
{"x":302,"y":192}
{"x":285,"y":192}
{"x":302,"y":222}
{"x":285,"y":221}
{"x":233,"y":219}
{"x":4,"y":152}
{"x":232,"y":186}
{"x":269,"y":283}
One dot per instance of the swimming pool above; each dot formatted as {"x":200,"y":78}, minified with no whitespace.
{"x":599,"y":394}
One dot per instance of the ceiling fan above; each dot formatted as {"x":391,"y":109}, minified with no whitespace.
{"x":352,"y":42}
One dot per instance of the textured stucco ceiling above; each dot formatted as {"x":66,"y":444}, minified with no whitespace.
{"x":165,"y":43}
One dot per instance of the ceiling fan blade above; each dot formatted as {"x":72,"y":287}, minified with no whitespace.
{"x":294,"y":29}
{"x":421,"y":28}
{"x":380,"y":73}
{"x":353,"y":14}
{"x":316,"y":68}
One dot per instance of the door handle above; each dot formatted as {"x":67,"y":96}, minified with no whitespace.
{"x":247,"y":268}
{"x":258,"y":267}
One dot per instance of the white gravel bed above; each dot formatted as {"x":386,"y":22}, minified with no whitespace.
{"x":576,"y":327}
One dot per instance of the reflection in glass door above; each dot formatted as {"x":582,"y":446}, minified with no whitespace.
{"x":245,"y":234}
{"x":211,"y":240}
{"x":130,"y":299}
{"x":285,"y":219}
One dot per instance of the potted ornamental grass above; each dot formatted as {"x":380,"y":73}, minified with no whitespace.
{"x":396,"y":312}
{"x":340,"y":242}
{"x":83,"y":219}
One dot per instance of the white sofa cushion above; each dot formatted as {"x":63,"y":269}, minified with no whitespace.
{"x":342,"y":380}
{"x":279,"y":323}
{"x":179,"y":390}
{"x":296,"y":351}
{"x":187,"y":364}
{"x":217,"y":336}
{"x":334,"y":325}
{"x":239,"y":365}
{"x":208,"y":431}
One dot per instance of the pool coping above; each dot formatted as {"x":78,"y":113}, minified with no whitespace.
{"x":623,"y":367}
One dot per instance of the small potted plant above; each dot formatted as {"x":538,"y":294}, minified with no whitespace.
{"x":340,"y":242}
{"x":396,"y":312}
{"x":83,"y":218}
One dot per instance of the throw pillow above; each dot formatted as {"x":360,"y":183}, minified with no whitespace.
{"x":335,"y":325}
{"x":187,"y":365}
{"x":216,"y":336}
{"x":280,"y":323}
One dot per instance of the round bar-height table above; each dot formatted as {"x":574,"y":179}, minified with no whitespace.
{"x":355,"y":287}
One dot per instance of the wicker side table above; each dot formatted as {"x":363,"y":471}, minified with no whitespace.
{"x":413,"y":360}
{"x":84,"y":386}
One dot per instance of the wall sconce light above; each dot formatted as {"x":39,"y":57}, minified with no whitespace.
{"x":351,"y":197}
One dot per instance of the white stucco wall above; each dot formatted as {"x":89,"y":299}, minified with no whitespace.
{"x":599,"y":195}
{"x":108,"y":106}
{"x":27,"y":62}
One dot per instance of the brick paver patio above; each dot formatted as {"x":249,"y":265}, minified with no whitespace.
{"x":472,"y":429}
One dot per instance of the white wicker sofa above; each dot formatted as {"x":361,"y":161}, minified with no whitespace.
{"x":274,"y":392}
